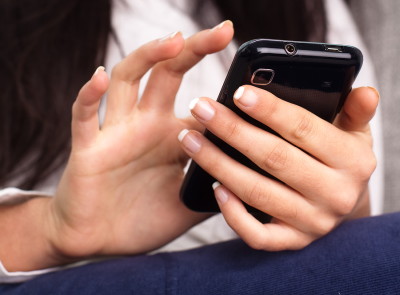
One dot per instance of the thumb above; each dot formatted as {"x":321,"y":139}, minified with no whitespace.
{"x":358,"y":109}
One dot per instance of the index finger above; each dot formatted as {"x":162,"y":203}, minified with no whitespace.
{"x":166,"y":77}
{"x":126,"y":75}
{"x":297,"y":125}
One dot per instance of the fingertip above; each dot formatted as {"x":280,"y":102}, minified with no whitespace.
{"x":359,"y":108}
{"x":88,"y":99}
{"x":224,"y":29}
{"x":221,"y":193}
{"x":366,"y":94}
{"x":223,"y":37}
{"x":172,"y":45}
{"x":99,"y":81}
{"x":190,"y":141}
{"x":374,"y":90}
{"x":374,"y":96}
{"x":245,"y":97}
{"x":95,"y":88}
{"x":238,"y":218}
{"x":215,"y":39}
{"x":230,"y":23}
{"x":168,"y":37}
{"x":99,"y":70}
{"x":227,"y":23}
{"x":231,"y":205}
{"x":361,"y":104}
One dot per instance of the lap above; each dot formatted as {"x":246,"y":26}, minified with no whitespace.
{"x":359,"y":257}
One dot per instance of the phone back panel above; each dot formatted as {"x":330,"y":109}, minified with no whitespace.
{"x":315,"y":76}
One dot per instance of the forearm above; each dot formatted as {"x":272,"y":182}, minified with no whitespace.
{"x":24,"y":243}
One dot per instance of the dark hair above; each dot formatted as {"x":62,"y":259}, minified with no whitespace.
{"x":50,"y":48}
{"x":276,"y":19}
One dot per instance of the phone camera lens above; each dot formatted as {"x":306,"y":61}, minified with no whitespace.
{"x":290,"y":49}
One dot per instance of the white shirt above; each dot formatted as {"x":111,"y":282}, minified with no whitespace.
{"x":134,"y":26}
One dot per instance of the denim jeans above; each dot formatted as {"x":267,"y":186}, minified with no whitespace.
{"x":359,"y":257}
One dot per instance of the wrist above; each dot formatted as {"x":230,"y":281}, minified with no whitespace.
{"x":28,"y":245}
{"x":73,"y":234}
{"x":57,"y":246}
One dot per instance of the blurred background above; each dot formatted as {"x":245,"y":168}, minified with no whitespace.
{"x":378,"y":22}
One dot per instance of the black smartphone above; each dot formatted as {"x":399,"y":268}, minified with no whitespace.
{"x":315,"y":76}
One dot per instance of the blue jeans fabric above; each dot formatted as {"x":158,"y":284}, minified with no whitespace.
{"x":359,"y":257}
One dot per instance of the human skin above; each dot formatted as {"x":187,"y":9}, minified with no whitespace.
{"x":119,"y":193}
{"x":325,"y":168}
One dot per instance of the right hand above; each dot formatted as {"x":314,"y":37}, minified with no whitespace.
{"x":324,"y":168}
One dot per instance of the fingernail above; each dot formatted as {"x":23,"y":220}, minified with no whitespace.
{"x":239,"y":93}
{"x":168,"y":37}
{"x":247,"y":98}
{"x":375,"y":90}
{"x":202,"y":109}
{"x":100,"y":68}
{"x":219,"y":26}
{"x":220,"y":193}
{"x":189,"y":141}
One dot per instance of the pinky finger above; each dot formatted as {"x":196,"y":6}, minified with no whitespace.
{"x":274,"y":236}
{"x":85,"y":120}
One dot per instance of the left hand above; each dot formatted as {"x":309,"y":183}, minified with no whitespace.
{"x":324,"y":167}
{"x":119,"y":193}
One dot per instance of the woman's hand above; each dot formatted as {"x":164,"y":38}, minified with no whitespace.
{"x":325,"y":170}
{"x":119,"y":193}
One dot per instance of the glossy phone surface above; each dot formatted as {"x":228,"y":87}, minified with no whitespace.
{"x":315,"y":76}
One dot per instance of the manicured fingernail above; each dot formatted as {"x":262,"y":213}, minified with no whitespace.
{"x":99,"y":69}
{"x":168,"y":37}
{"x":247,"y":98}
{"x":189,"y":141}
{"x":219,"y":26}
{"x":220,"y":193}
{"x":375,"y":90}
{"x":202,"y":109}
{"x":239,"y":93}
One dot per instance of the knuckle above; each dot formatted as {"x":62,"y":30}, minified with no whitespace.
{"x":324,"y":225}
{"x":346,"y":206}
{"x":371,"y":165}
{"x":272,"y":106}
{"x":173,"y":70}
{"x":212,"y":162}
{"x":122,"y":72}
{"x":346,"y":201}
{"x":361,"y":161}
{"x":352,"y":184}
{"x":256,"y":196}
{"x":233,"y":132}
{"x":117,"y":70}
{"x":176,"y":68}
{"x":292,"y":213}
{"x":304,"y":127}
{"x":366,"y":167}
{"x":233,"y":220}
{"x":277,"y":158}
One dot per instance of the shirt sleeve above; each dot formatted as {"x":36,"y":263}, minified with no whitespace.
{"x":12,"y":195}
{"x":21,"y":276}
